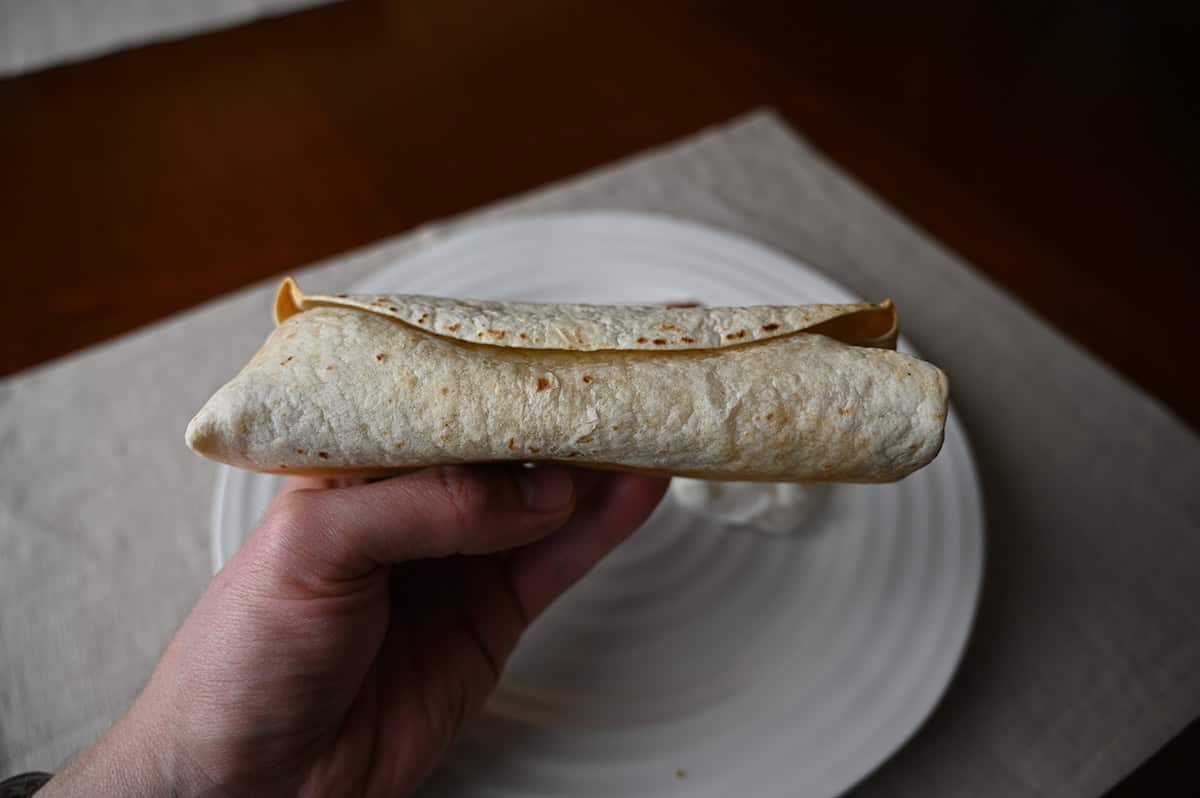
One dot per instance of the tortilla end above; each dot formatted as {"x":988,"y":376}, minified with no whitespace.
{"x":200,"y":435}
{"x":888,"y":339}
{"x":209,"y":434}
{"x":289,"y":300}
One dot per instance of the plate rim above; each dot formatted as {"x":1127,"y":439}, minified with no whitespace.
{"x":974,"y":568}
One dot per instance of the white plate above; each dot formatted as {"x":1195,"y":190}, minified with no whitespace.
{"x":697,"y":660}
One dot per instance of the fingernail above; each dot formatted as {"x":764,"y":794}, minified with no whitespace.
{"x":545,"y":488}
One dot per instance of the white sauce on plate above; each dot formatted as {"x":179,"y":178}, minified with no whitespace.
{"x":775,"y":508}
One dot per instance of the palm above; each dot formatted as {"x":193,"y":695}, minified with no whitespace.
{"x":449,"y":625}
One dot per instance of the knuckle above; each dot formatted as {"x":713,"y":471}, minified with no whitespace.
{"x":465,"y":495}
{"x":296,"y":522}
{"x":292,"y":510}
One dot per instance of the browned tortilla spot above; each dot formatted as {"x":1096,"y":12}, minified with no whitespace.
{"x":772,"y":327}
{"x":542,"y":383}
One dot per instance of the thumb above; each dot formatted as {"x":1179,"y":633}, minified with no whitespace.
{"x":344,"y":533}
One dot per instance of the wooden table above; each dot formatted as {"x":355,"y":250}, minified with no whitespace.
{"x":1047,"y":145}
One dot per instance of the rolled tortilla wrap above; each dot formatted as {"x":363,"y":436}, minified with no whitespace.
{"x":379,"y":384}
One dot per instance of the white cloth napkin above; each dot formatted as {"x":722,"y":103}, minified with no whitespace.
{"x":1085,"y":657}
{"x":35,"y":34}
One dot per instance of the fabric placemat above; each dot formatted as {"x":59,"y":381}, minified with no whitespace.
{"x":35,"y":34}
{"x":1085,"y":657}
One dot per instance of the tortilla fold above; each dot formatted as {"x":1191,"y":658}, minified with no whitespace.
{"x":379,"y":384}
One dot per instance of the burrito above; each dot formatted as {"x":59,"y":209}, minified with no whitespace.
{"x":370,"y":385}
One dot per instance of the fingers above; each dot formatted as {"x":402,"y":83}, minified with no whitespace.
{"x":616,"y":506}
{"x":348,"y":531}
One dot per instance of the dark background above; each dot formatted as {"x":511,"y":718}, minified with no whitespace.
{"x":1049,"y":143}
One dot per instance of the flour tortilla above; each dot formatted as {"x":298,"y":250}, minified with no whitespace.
{"x":379,"y":384}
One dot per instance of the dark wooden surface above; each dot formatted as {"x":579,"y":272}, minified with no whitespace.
{"x":1048,"y":143}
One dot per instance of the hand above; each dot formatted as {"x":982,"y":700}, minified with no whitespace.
{"x":342,"y":648}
